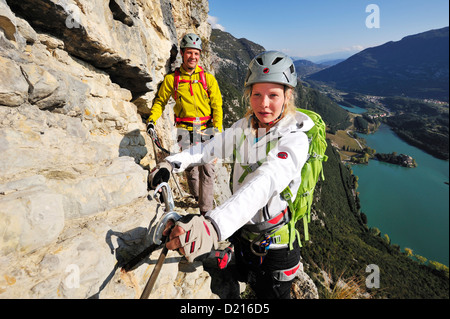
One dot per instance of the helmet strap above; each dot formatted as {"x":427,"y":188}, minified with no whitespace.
{"x":278,"y":118}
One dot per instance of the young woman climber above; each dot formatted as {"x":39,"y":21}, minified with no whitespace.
{"x":267,"y":148}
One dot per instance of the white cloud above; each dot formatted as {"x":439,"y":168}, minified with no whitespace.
{"x":213,"y":22}
{"x":356,"y":47}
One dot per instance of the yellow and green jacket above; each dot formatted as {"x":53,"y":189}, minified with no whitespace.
{"x":191,"y":101}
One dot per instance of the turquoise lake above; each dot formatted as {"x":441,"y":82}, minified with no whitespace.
{"x":410,"y":205}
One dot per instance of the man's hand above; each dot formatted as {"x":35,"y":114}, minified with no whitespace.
{"x":150,"y":127}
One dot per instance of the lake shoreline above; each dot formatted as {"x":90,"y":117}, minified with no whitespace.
{"x":401,"y":191}
{"x":416,"y":199}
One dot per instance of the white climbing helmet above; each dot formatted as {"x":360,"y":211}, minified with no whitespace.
{"x":191,"y":40}
{"x":273,"y":67}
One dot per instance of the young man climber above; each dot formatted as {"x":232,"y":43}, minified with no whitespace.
{"x":198,"y":113}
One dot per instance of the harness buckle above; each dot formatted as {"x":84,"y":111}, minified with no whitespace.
{"x":287,"y":195}
{"x":276,"y":239}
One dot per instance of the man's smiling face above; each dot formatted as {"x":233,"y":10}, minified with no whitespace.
{"x":191,"y":58}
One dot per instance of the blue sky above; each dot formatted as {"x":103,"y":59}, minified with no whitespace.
{"x":310,"y":29}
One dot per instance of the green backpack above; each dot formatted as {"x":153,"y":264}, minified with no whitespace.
{"x":311,"y":171}
{"x":301,"y":207}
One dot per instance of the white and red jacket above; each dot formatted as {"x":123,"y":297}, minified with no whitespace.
{"x":257,"y":198}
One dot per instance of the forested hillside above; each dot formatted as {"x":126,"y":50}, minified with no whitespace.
{"x":341,"y":245}
{"x":421,"y":124}
{"x":416,"y":66}
{"x":334,"y":116}
{"x":231,"y":58}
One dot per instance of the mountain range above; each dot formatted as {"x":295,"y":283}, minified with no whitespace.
{"x":417,"y":66}
{"x":305,"y":68}
{"x":231,"y":57}
{"x":341,"y":244}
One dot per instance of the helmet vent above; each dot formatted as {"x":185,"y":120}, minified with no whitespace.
{"x":278,"y":59}
{"x":260,"y":61}
{"x":292,"y":69}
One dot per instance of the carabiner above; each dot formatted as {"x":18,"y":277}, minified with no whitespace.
{"x":265,"y":243}
{"x":168,"y":200}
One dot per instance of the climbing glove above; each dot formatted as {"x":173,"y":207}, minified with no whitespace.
{"x":223,"y":257}
{"x":151,"y":128}
{"x":199,"y":238}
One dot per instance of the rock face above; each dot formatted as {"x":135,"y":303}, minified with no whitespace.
{"x":75,"y":81}
{"x":77,"y":78}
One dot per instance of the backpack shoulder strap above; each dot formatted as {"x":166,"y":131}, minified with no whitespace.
{"x":176,"y":82}
{"x":203,"y":79}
